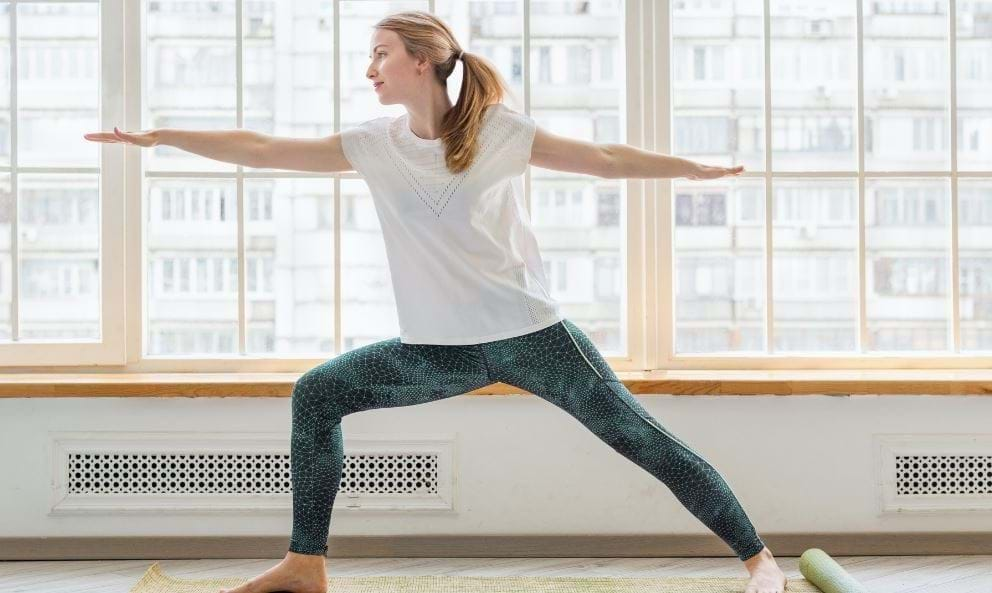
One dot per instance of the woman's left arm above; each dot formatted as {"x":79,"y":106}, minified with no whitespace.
{"x":635,"y":163}
{"x":616,"y":161}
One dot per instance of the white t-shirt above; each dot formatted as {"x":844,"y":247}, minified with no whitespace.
{"x":463,"y":259}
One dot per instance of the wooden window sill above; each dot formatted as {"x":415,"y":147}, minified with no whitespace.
{"x":681,"y":382}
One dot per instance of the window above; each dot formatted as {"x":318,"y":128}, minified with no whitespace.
{"x":61,"y":256}
{"x":817,"y":155}
{"x":239,"y":268}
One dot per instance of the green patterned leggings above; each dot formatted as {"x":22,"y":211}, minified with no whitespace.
{"x":558,"y":363}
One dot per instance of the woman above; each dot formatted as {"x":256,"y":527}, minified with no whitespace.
{"x":471,"y":294}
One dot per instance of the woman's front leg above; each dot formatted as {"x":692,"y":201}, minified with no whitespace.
{"x":379,"y":375}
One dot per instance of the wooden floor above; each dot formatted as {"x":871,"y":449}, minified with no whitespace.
{"x":880,"y":574}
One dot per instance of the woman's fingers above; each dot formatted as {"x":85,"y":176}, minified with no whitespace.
{"x":140,"y":139}
{"x":105,"y":136}
{"x":708,"y":172}
{"x":733,"y":171}
{"x":102,"y":137}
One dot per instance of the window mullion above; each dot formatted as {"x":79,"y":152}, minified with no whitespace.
{"x":525,"y":74}
{"x":769,"y":247}
{"x":657,"y":203}
{"x":15,"y":274}
{"x":240,"y":180}
{"x":336,"y":107}
{"x":862,"y":287}
{"x":954,"y":275}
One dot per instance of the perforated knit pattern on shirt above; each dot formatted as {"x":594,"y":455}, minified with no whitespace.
{"x":424,"y":167}
{"x":464,"y":260}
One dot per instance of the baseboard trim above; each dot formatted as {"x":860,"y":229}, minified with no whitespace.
{"x":491,"y":546}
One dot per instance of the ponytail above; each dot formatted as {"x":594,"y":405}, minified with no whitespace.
{"x":482,"y":85}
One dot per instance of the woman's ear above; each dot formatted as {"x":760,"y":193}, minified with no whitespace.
{"x":422,"y":64}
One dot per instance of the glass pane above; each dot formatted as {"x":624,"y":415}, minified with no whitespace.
{"x":906,"y":245}
{"x":719,"y":256}
{"x":190,"y":79}
{"x":814,"y":85}
{"x":359,"y":101}
{"x":975,"y":262}
{"x":368,"y":306}
{"x":578,"y":90}
{"x":6,"y":269}
{"x":59,"y":250}
{"x":288,"y":90}
{"x":494,"y":30}
{"x":289,"y":238}
{"x":974,"y":84}
{"x":906,"y":80}
{"x":57,"y":84}
{"x":5,"y":46}
{"x":718,"y":88}
{"x":191,"y":259}
{"x":815,"y":267}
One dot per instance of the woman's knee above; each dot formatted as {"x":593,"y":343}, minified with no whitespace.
{"x":319,"y":389}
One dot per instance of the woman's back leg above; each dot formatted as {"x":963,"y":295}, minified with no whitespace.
{"x":561,"y":364}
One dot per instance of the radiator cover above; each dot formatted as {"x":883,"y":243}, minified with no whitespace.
{"x":119,"y":472}
{"x":934,"y":473}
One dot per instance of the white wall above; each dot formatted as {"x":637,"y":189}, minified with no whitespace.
{"x":801,"y":463}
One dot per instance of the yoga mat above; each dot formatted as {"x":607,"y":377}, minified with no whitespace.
{"x":155,"y":581}
{"x":824,"y":572}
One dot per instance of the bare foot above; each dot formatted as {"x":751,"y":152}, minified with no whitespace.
{"x":766,"y":576}
{"x":299,"y":573}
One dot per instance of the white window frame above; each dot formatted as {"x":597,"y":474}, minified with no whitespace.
{"x":662,"y":355}
{"x":646,"y":318}
{"x":109,"y":349}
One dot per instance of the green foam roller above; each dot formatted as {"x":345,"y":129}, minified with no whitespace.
{"x":824,"y":572}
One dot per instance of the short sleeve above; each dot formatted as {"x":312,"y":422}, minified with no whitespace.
{"x":357,"y":143}
{"x":520,"y":142}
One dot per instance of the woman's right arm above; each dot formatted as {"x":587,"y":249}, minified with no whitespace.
{"x":262,"y":151}
{"x":321,"y":155}
{"x":243,"y":147}
{"x":237,"y":146}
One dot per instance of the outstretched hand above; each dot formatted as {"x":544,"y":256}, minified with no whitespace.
{"x":149,"y":138}
{"x":707,"y":172}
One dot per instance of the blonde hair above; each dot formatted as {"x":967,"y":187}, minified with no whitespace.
{"x":424,"y":34}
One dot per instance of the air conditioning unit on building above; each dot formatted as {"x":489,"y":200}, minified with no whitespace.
{"x":819,"y":27}
{"x":807,"y":230}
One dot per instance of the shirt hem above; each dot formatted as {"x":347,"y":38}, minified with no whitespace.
{"x":491,"y":337}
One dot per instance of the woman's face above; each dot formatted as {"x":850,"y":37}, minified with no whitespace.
{"x":392,"y":66}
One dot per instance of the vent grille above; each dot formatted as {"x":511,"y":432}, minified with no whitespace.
{"x":245,"y":474}
{"x":112,"y":472}
{"x":943,"y":474}
{"x":934,"y":473}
